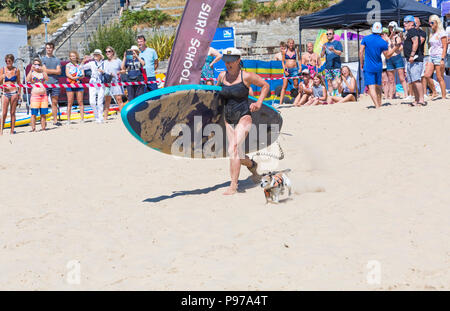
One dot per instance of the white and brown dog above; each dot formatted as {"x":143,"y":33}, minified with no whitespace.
{"x":274,"y":185}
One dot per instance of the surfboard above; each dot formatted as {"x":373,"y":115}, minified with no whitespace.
{"x":188,"y":121}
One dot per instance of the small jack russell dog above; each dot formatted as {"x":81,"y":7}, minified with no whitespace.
{"x":274,"y":185}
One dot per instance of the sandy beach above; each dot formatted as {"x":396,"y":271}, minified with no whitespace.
{"x":370,"y":185}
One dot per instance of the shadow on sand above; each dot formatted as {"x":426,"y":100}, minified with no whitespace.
{"x":244,"y":185}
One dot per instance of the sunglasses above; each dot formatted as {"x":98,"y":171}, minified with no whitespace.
{"x":108,"y":51}
{"x":329,"y":34}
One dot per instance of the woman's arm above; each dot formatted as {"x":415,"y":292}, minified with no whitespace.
{"x":68,"y":75}
{"x":252,"y":78}
{"x":445,"y":46}
{"x":283,"y":60}
{"x":139,"y":59}
{"x":28,"y":78}
{"x":123,"y":63}
{"x":217,"y":55}
{"x":45,"y":76}
{"x":220,"y":78}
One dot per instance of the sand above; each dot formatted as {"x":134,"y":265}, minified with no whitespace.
{"x":370,"y":185}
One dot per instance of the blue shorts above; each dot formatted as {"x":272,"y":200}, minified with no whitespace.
{"x":35,"y":111}
{"x":153,"y":86}
{"x":372,"y":78}
{"x":74,"y":89}
{"x":292,"y":72}
{"x":394,"y":63}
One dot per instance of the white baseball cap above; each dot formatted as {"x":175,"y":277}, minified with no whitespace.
{"x":377,"y":28}
{"x":232,"y":51}
{"x":231,"y":55}
{"x":393,"y":24}
{"x":134,"y":48}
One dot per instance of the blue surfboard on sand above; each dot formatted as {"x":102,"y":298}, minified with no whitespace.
{"x":188,"y":121}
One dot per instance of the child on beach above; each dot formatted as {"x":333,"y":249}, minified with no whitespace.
{"x":39,"y":99}
{"x":304,"y":90}
{"x":334,"y":88}
{"x":319,"y":96}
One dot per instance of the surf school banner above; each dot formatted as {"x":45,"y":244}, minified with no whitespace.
{"x":195,"y":33}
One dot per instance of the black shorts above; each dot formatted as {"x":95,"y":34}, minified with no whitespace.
{"x":54,"y":92}
{"x":344,"y":94}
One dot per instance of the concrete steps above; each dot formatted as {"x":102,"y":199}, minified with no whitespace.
{"x":105,"y":15}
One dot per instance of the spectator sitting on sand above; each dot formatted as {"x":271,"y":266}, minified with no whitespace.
{"x":305,"y":89}
{"x":319,"y":96}
{"x":347,"y":88}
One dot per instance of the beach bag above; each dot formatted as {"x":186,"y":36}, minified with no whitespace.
{"x":106,"y":78}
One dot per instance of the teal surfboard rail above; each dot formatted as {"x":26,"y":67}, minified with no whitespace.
{"x":164,"y":91}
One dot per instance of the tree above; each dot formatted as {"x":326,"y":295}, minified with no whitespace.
{"x":28,"y":11}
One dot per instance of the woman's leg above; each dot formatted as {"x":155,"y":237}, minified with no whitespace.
{"x":106,"y":108}
{"x":81,"y":104}
{"x":236,"y":138}
{"x":14,"y":101}
{"x":440,"y":78}
{"x":303,"y":99}
{"x":119,"y":102}
{"x":5,"y":104}
{"x":70,"y":96}
{"x":43,"y":121}
{"x":427,"y":79}
{"x":283,"y":90}
{"x":391,"y":84}
{"x":402,"y":78}
{"x":348,"y":98}
{"x":33,"y":123}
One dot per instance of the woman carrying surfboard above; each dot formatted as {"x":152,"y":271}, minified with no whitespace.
{"x":238,"y":120}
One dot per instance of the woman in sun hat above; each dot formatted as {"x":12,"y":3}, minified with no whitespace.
{"x":238,"y":120}
{"x":96,"y":94}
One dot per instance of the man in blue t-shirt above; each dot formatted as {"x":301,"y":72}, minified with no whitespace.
{"x":372,"y":47}
{"x":151,"y":61}
{"x":333,"y":51}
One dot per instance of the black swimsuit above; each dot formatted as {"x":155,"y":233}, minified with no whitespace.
{"x":236,"y":101}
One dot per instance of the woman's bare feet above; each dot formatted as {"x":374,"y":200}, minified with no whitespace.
{"x":232,"y":189}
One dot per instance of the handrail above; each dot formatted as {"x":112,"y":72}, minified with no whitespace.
{"x":85,"y":17}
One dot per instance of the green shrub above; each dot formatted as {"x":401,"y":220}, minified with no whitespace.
{"x":248,"y":6}
{"x":120,"y":38}
{"x":152,"y":18}
{"x":162,"y":43}
{"x":265,"y":11}
{"x":229,"y":8}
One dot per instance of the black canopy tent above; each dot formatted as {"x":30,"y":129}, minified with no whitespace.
{"x":356,"y":14}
